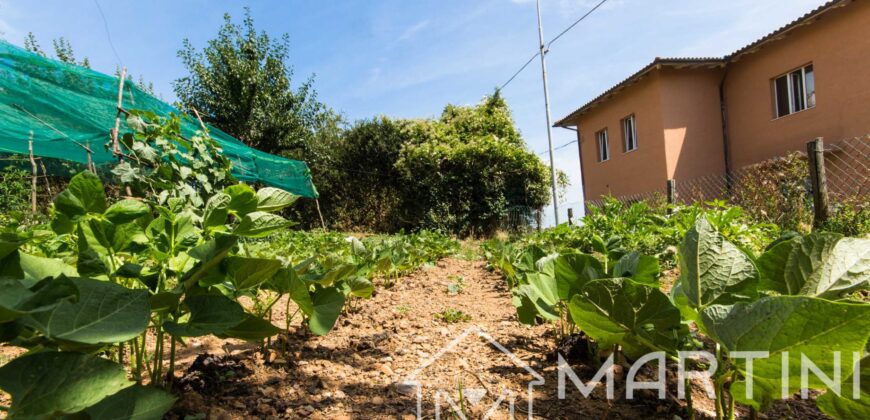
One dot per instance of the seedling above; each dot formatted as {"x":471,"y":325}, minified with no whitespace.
{"x":452,"y":316}
{"x":457,"y":286}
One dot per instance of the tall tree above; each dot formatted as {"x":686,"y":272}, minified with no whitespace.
{"x":241,"y":82}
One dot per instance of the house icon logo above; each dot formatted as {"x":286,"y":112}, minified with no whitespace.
{"x":443,"y":398}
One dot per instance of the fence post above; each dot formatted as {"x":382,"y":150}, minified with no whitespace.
{"x":570,"y":216}
{"x":816,"y":157}
{"x":672,"y":194}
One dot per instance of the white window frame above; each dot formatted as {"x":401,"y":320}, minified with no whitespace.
{"x":625,"y":133}
{"x":792,"y":109}
{"x":603,"y":147}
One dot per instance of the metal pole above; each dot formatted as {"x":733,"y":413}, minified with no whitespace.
{"x":547,"y":107}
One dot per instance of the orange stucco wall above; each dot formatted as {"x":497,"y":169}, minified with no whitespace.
{"x":691,"y":115}
{"x":638,"y":171}
{"x":838,"y":46}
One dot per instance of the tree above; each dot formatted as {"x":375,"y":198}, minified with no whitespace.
{"x":242,"y":83}
{"x":63,"y":50}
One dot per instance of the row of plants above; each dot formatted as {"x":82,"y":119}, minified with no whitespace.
{"x":103,"y":293}
{"x":799,"y":296}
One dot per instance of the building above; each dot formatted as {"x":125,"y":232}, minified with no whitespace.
{"x":683,"y":118}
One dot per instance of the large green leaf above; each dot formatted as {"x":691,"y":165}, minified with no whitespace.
{"x":573,"y":271}
{"x":216,"y":210}
{"x":38,"y":268}
{"x":9,"y":243}
{"x":845,"y":405}
{"x":209,"y":314}
{"x":713,"y":270}
{"x":298,"y":290}
{"x":327,"y":304}
{"x":16,"y":300}
{"x":638,"y":317}
{"x":821,"y":264}
{"x":84,"y":194}
{"x":274,"y":199}
{"x":243,"y":199}
{"x":104,"y":313}
{"x":260,"y":224}
{"x":133,"y":403}
{"x":126,"y":210}
{"x":795,"y":324}
{"x":50,"y":384}
{"x":640,"y":268}
{"x":246,"y":273}
{"x":541,"y":291}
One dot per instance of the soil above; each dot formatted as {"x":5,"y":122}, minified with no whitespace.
{"x":365,"y":367}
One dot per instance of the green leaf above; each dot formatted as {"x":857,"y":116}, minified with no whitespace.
{"x":84,"y":194}
{"x":573,"y":271}
{"x":133,"y":403}
{"x":246,"y":273}
{"x":9,"y":243}
{"x":216,"y":210}
{"x":51,"y":384}
{"x":640,"y":268}
{"x":16,"y":300}
{"x":713,"y":270}
{"x":541,"y":291}
{"x":126,"y":211}
{"x":300,"y":293}
{"x":209,"y":314}
{"x":243,"y":199}
{"x":327,"y":304}
{"x":274,"y":199}
{"x":104,"y":313}
{"x":260,"y":224}
{"x":638,"y":317}
{"x":210,"y":255}
{"x":845,"y":406}
{"x":252,"y":329}
{"x":795,"y":324}
{"x":360,"y":287}
{"x":38,"y":268}
{"x":821,"y":264}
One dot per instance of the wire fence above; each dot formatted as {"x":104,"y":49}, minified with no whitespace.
{"x":779,"y":190}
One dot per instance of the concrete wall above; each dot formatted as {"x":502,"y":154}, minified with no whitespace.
{"x":638,"y":171}
{"x":838,"y":46}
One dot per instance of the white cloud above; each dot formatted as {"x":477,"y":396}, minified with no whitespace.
{"x":413,"y":30}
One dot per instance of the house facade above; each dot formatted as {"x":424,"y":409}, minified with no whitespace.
{"x":683,"y":118}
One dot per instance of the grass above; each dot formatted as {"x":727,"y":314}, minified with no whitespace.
{"x":402,"y":309}
{"x":452,"y":316}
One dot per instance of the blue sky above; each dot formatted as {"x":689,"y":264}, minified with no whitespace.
{"x":410,"y":58}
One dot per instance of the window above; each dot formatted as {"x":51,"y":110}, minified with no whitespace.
{"x":629,"y":134}
{"x":795,"y":91}
{"x":603,"y":145}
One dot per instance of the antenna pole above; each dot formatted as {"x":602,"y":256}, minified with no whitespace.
{"x":543,"y":49}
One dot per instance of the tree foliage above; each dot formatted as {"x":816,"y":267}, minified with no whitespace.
{"x":242,"y":82}
{"x":458,"y":173}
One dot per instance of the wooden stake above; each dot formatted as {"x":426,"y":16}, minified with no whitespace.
{"x":322,"y":223}
{"x":816,"y":157}
{"x":201,"y":124}
{"x":116,"y":147}
{"x":45,"y":174}
{"x":33,"y":179}
{"x":671,"y":188}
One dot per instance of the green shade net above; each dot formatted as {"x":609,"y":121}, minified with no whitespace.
{"x":69,"y":108}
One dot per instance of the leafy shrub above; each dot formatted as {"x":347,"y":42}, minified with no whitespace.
{"x":15,"y":190}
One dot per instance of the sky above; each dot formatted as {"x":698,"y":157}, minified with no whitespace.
{"x":409,"y":59}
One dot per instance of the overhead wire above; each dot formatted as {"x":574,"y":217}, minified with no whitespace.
{"x":108,"y":33}
{"x":571,"y":26}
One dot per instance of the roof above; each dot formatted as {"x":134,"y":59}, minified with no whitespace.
{"x":695,"y":62}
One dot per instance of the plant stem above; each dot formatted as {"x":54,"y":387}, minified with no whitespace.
{"x":171,"y":371}
{"x":690,"y":409}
